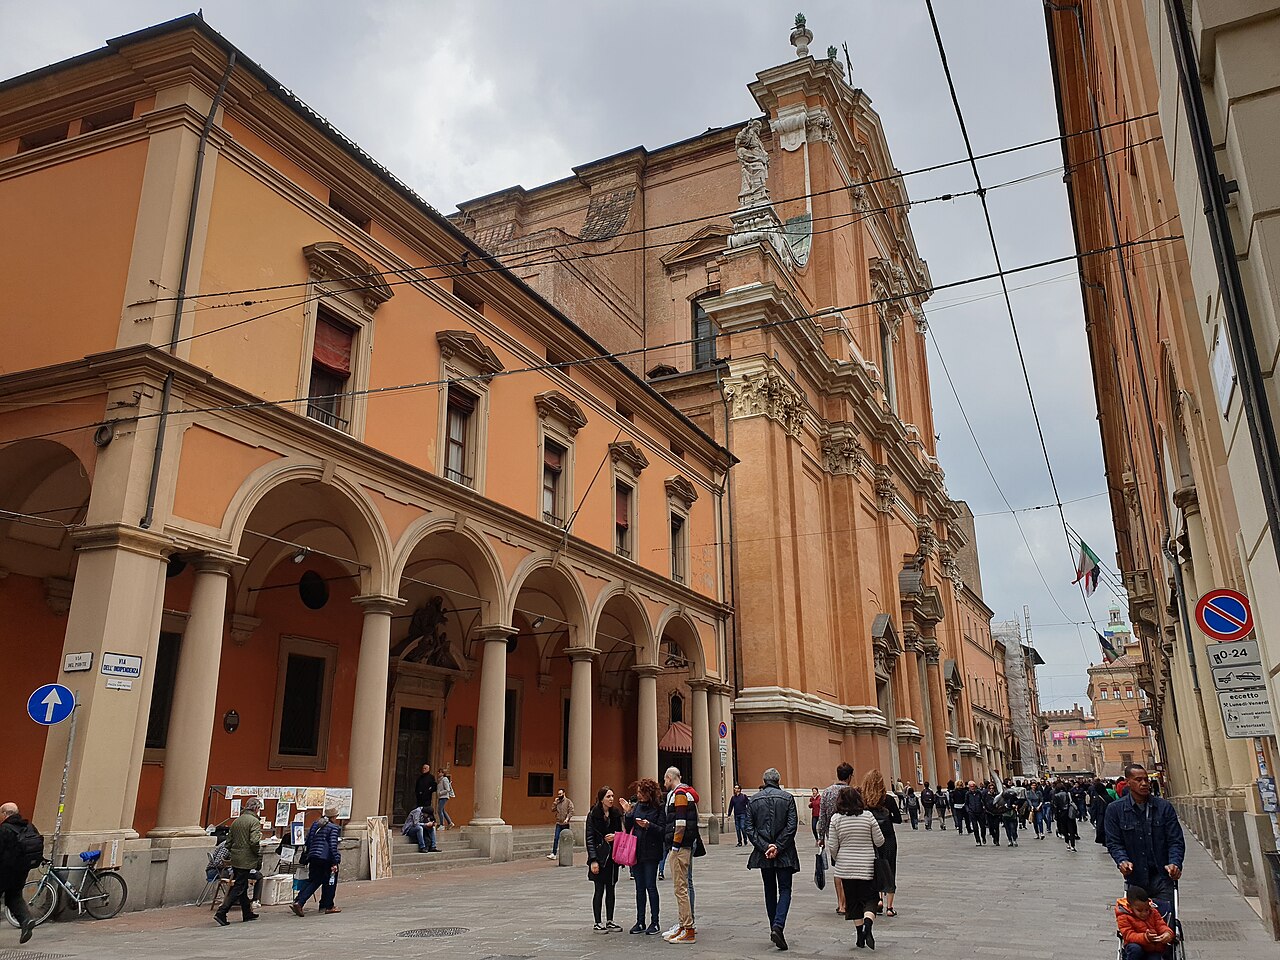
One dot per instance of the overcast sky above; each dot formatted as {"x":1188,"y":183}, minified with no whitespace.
{"x":463,"y":98}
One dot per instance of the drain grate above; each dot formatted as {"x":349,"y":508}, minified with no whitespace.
{"x":29,"y":955}
{"x":424,"y":932}
{"x":1211,"y":930}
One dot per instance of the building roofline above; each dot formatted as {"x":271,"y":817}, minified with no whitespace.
{"x":273,"y":86}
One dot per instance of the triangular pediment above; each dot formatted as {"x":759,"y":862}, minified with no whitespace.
{"x":706,"y":242}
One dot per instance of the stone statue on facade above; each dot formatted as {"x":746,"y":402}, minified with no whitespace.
{"x":754,"y":159}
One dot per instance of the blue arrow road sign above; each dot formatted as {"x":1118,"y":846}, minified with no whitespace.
{"x":51,"y":704}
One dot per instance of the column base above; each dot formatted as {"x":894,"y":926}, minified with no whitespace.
{"x":493,"y":838}
{"x":174,"y":833}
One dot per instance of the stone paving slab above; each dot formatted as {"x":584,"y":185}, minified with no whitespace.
{"x":956,"y":900}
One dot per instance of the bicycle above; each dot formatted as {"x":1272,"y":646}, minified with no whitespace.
{"x":100,"y":894}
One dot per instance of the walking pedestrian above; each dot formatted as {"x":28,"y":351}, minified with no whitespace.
{"x":844,"y":778}
{"x":21,"y":850}
{"x":1081,"y":800}
{"x":1064,"y":811}
{"x":815,"y":811}
{"x":1145,"y":838}
{"x":243,"y":844}
{"x":1010,"y":808}
{"x":323,"y":858}
{"x":973,"y":808}
{"x":1098,"y":811}
{"x":991,"y":812}
{"x":424,"y":788}
{"x":852,"y":842}
{"x":446,"y":793}
{"x":927,"y":799}
{"x":738,"y":810}
{"x":683,"y":838}
{"x":943,"y":804}
{"x":960,"y":808}
{"x":771,"y":828}
{"x":604,"y":821}
{"x":562,"y":809}
{"x":884,"y":807}
{"x":912,"y":802}
{"x":647,"y":820}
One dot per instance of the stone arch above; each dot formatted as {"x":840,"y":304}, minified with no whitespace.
{"x":48,"y":480}
{"x":356,"y":517}
{"x":624,"y":605}
{"x":565,"y":601}
{"x":675,"y":623}
{"x":482,"y":562}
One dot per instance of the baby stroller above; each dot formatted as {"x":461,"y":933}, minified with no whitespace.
{"x":1173,"y":917}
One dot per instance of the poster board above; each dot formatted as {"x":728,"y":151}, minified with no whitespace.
{"x":379,"y":848}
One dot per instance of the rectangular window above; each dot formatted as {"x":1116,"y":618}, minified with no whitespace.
{"x":553,"y":463}
{"x":468,"y":297}
{"x":1128,"y":693}
{"x":107,"y":118}
{"x":886,"y":358}
{"x":166,"y":671}
{"x":42,"y":138}
{"x":704,"y":339}
{"x":304,"y":692}
{"x":679,"y":546}
{"x":623,"y":497}
{"x":460,"y":407}
{"x":540,"y":784}
{"x":349,"y":211}
{"x":303,"y":700}
{"x":330,"y":371}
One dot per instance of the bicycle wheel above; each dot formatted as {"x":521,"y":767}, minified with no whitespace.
{"x":103,"y":895}
{"x":41,"y":897}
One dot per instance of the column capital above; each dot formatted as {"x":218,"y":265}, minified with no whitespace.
{"x":582,"y":653}
{"x":216,"y":562}
{"x":378,"y":603}
{"x":647,"y":670}
{"x":701,"y":684}
{"x":123,"y":536}
{"x":495,"y":631}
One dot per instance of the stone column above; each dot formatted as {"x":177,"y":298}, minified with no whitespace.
{"x":937,"y":715}
{"x":701,"y":772}
{"x":491,"y":834}
{"x":369,"y":713}
{"x":716,"y":712}
{"x":647,"y":721}
{"x":195,"y":692}
{"x":580,"y":701}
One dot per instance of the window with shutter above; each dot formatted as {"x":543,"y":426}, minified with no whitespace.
{"x":623,"y":497}
{"x":459,"y":412}
{"x":553,"y":462}
{"x":330,"y":371}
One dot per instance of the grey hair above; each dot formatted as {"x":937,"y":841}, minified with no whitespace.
{"x":772,"y":776}
{"x":674,"y":772}
{"x":253,"y":803}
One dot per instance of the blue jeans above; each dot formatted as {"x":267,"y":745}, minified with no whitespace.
{"x":646,"y":877}
{"x":424,"y":837}
{"x":1011,"y":829}
{"x":1044,"y":817}
{"x":555,"y":843}
{"x":1136,"y":951}
{"x":444,"y":818}
{"x":777,"y":894}
{"x":740,"y":823}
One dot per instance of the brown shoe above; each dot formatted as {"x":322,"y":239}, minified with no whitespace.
{"x":334,"y":910}
{"x":296,"y":908}
{"x":687,"y":935}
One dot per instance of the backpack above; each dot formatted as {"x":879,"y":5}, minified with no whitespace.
{"x":913,"y":802}
{"x":1001,"y":804}
{"x":29,"y":846}
{"x":1061,"y":801}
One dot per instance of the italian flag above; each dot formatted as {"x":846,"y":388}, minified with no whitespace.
{"x":1087,"y":569}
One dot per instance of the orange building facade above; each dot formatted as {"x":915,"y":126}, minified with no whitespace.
{"x":348,"y":519}
{"x":764,"y":278}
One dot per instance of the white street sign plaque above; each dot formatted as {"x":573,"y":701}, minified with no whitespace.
{"x":75,"y":662}
{"x":1234,"y":653}
{"x":121,"y":665}
{"x":1238,"y":678}
{"x":1250,"y":720}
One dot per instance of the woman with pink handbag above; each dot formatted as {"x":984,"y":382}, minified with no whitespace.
{"x":646,"y":822}
{"x":604,"y":826}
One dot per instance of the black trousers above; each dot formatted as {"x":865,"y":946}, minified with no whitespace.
{"x":17,"y":906}
{"x":239,"y":893}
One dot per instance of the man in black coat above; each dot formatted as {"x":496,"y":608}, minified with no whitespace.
{"x":425,"y":789}
{"x":771,"y":830}
{"x":14,"y":866}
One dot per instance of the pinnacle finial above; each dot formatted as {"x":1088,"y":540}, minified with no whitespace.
{"x":801,"y":36}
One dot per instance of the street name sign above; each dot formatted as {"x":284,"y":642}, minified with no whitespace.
{"x":121,"y":665}
{"x":75,"y":662}
{"x":50,"y":704}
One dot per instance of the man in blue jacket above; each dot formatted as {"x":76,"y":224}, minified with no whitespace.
{"x":1144,"y":838}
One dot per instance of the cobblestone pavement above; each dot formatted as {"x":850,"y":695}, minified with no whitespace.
{"x":956,"y":900}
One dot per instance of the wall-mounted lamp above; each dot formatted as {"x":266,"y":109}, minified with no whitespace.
{"x":230,"y":721}
{"x":537,"y":622}
{"x":301,"y":555}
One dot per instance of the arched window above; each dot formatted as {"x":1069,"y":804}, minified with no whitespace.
{"x":1103,"y":692}
{"x":677,"y":708}
{"x":1128,"y":693}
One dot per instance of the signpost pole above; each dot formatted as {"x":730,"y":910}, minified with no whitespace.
{"x":66,"y":770}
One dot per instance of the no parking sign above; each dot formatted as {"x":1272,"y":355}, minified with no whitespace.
{"x":1224,"y":615}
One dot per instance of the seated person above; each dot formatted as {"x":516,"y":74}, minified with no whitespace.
{"x":1145,"y":934}
{"x":420,"y":826}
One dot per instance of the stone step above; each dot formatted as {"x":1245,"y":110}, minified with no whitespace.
{"x":446,"y":855}
{"x":418,"y":868}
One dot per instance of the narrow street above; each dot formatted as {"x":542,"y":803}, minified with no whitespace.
{"x":955,"y":901}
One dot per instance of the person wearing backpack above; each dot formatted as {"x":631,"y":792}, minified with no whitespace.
{"x":21,"y":850}
{"x":912,"y":803}
{"x":927,"y":800}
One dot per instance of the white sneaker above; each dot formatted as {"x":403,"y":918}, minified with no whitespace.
{"x":674,"y":931}
{"x":600,"y":928}
{"x":552,"y":856}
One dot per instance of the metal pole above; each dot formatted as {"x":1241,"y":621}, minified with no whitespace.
{"x":66,"y":770}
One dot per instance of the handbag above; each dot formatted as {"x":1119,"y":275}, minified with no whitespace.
{"x":624,"y":848}
{"x":698,"y":849}
{"x":882,"y":876}
{"x":820,"y":871}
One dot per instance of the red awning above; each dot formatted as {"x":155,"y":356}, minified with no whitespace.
{"x":333,"y":346}
{"x":677,"y":739}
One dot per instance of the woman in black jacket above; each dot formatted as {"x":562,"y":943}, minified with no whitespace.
{"x":883,"y":805}
{"x":646,"y":819}
{"x":1098,"y":811}
{"x":603,"y":821}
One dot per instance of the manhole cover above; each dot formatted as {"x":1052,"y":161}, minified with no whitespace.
{"x":430,"y":932}
{"x":29,"y":955}
{"x":1211,"y":930}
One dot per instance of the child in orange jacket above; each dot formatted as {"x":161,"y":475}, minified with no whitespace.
{"x":1145,"y":934}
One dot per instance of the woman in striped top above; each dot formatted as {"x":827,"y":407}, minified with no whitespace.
{"x":852,"y":839}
